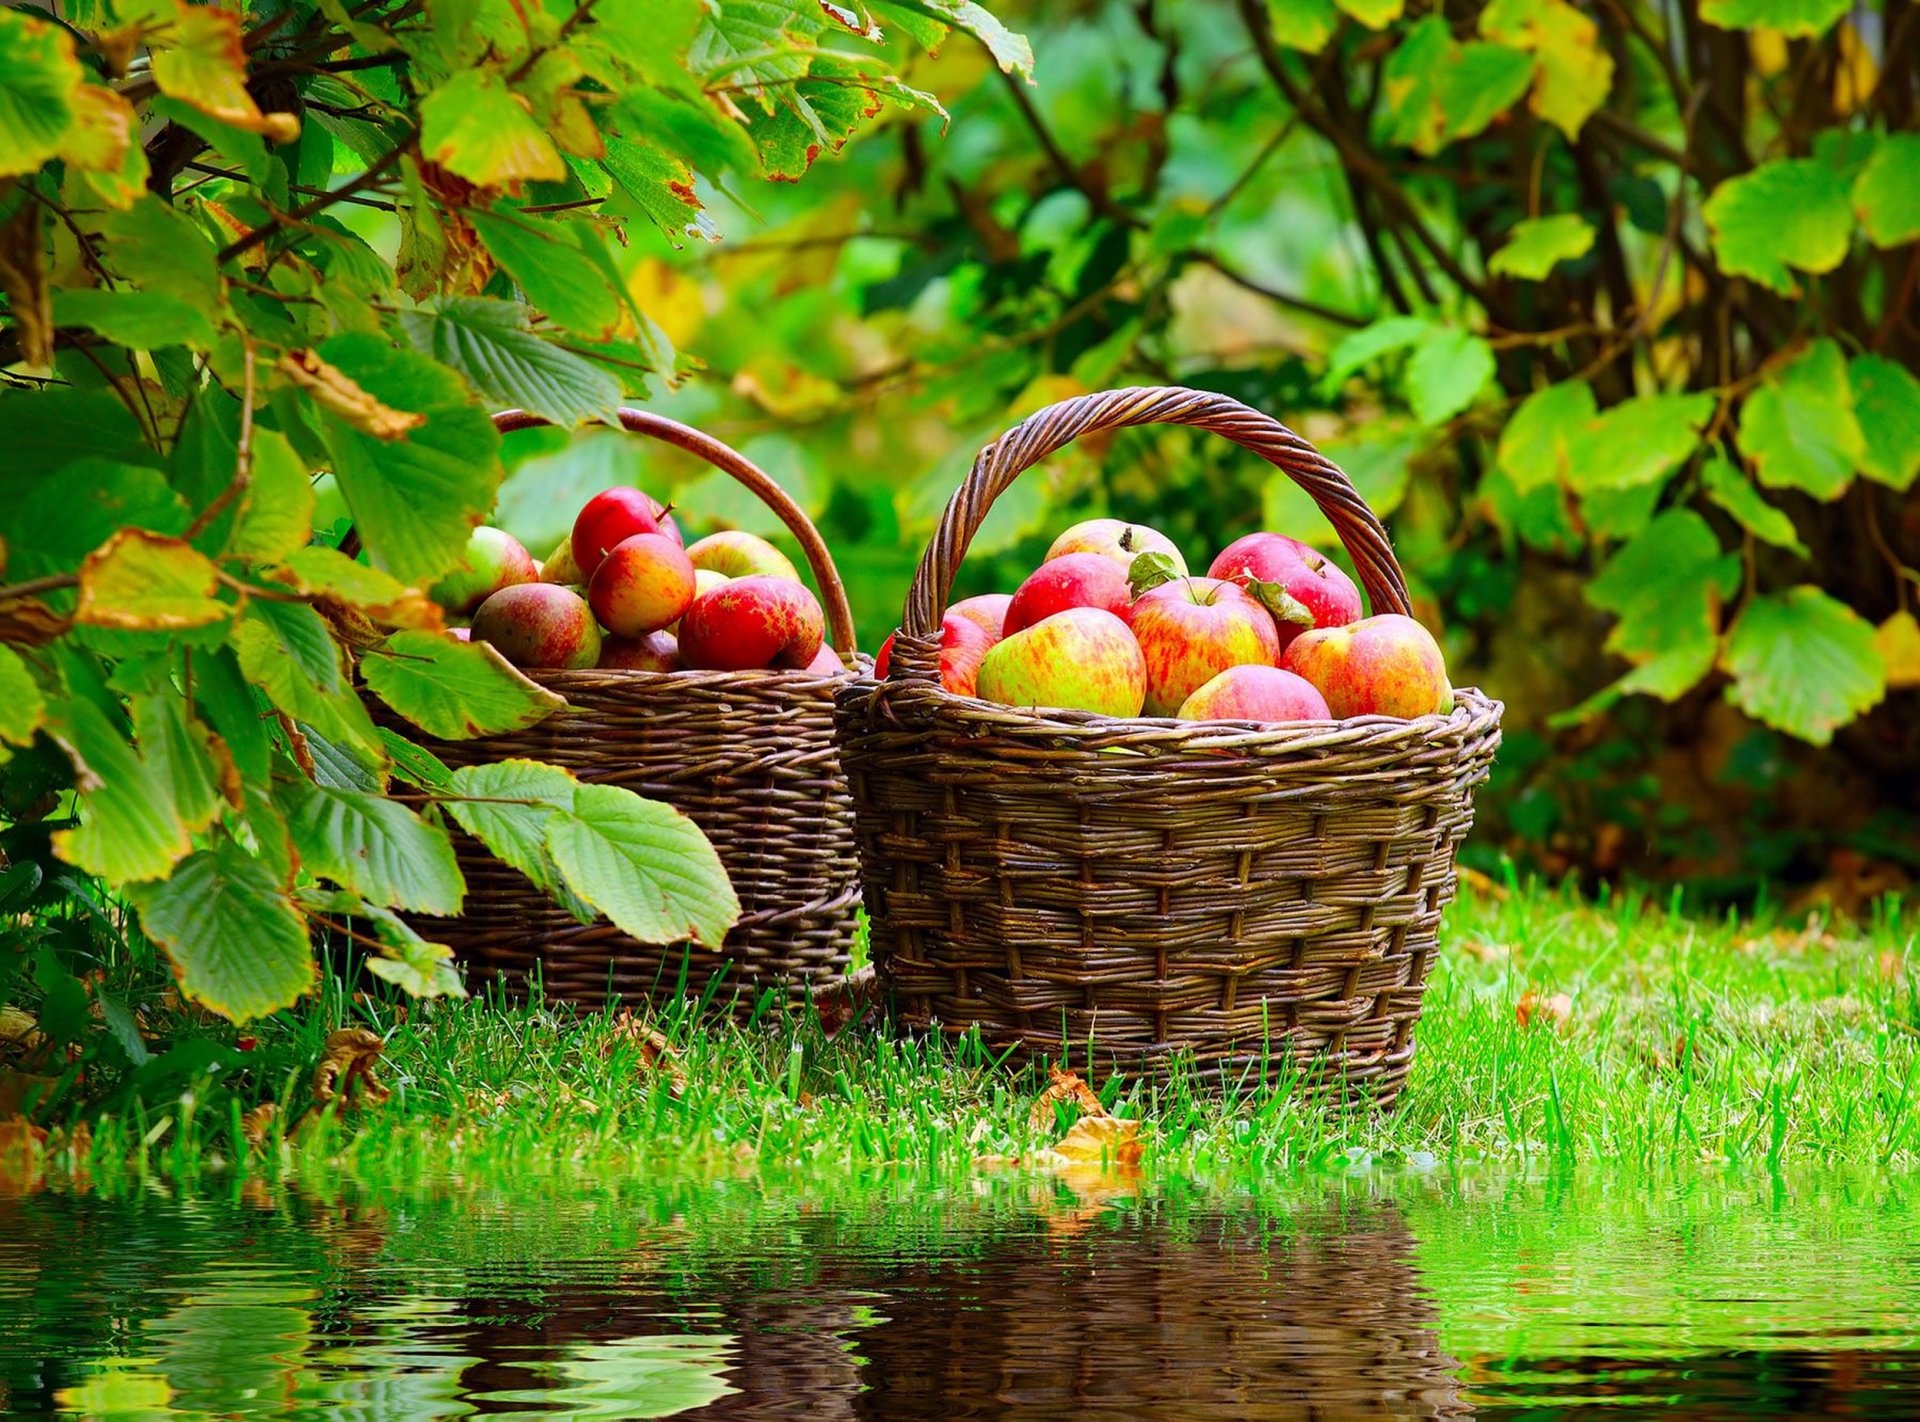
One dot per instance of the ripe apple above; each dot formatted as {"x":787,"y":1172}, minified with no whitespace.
{"x":1071,"y":580}
{"x":705,"y":580}
{"x":559,"y":567}
{"x":539,"y":625}
{"x":1252,"y":692}
{"x":1379,"y":666}
{"x":1318,"y":585}
{"x":1116,"y":539}
{"x":642,"y":585}
{"x":963,"y":643}
{"x":612,"y":516}
{"x":493,"y":559}
{"x":753,"y":622}
{"x":739,"y":555}
{"x":826,"y":662}
{"x":1192,"y":629}
{"x":654,"y":652}
{"x":1083,"y":659}
{"x":989,"y":610}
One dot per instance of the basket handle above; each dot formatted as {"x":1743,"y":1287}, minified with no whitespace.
{"x":1047,"y":430}
{"x":833,"y":592}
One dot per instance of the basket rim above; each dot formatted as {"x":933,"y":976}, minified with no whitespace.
{"x":559,"y":678}
{"x":1474,"y":715}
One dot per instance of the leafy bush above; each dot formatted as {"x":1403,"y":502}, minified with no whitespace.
{"x":239,"y":245}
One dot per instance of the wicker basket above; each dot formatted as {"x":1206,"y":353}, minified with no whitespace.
{"x":1261,"y":901}
{"x":749,"y":756}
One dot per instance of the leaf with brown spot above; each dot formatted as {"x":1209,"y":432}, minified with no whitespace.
{"x":339,"y":395}
{"x":142,"y":582}
{"x":1064,"y":1086}
{"x":23,"y":278}
{"x":204,"y":63}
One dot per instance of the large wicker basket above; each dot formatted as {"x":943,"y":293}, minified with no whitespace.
{"x":749,"y":756}
{"x":1257,"y":902}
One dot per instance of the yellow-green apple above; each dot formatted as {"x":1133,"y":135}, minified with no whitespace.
{"x":1083,"y":659}
{"x":644,"y":583}
{"x":1192,"y":629}
{"x":539,"y":625}
{"x":1379,"y":666}
{"x":963,"y":642}
{"x":611,"y":517}
{"x":493,"y":559}
{"x":1327,"y":593}
{"x":559,"y":567}
{"x":1116,"y":539}
{"x":989,"y":610}
{"x":752,"y":622}
{"x":654,"y":652}
{"x":739,"y":554}
{"x":1255,"y":693}
{"x":1071,"y":580}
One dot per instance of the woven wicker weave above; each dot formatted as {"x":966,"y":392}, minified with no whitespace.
{"x":749,"y":756}
{"x":1256,"y":899}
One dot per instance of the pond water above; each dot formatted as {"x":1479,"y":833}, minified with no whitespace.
{"x":1380,"y":1293}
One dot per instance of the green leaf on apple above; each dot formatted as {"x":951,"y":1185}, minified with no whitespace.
{"x":1150,"y":570}
{"x":1284,"y":606}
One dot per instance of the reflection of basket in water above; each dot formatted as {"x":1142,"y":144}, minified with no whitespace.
{"x":1310,"y":1315}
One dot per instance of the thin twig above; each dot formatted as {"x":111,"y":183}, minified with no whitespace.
{"x":320,"y":204}
{"x":243,"y":456}
{"x":53,"y":582}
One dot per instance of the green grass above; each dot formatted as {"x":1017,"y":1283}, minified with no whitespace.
{"x":1755,"y":1041}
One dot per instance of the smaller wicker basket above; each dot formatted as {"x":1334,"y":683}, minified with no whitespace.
{"x":748,"y":756}
{"x":1261,"y":901}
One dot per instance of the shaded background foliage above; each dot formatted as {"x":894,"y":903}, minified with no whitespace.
{"x":1609,"y":307}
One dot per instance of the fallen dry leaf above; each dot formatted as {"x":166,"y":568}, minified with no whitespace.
{"x":350,"y":1057}
{"x":18,"y":1025}
{"x":1480,"y":883}
{"x":656,"y":1052}
{"x":1554,"y":1011}
{"x":339,"y":394}
{"x":255,"y":1124}
{"x":852,"y":999}
{"x":1100,"y":1138}
{"x":1482,"y":951}
{"x":1063,"y":1086}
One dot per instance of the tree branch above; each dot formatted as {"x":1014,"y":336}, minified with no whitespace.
{"x":321,"y":204}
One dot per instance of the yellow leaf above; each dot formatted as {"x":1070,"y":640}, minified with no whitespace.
{"x":143,"y":582}
{"x":1898,"y":641}
{"x":103,"y":126}
{"x":205,"y":65}
{"x":1098,"y":1138}
{"x":1573,"y":70}
{"x":671,"y":297}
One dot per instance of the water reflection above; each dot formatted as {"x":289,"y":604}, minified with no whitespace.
{"x":1382,"y":1296}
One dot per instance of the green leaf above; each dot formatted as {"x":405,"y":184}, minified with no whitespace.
{"x":454,"y":690}
{"x":1804,"y":663}
{"x":1447,"y":369}
{"x":129,"y":829}
{"x":506,"y":805}
{"x":414,"y":499}
{"x":644,"y":865}
{"x":380,"y":849}
{"x":236,"y":941}
{"x":1666,"y":585}
{"x":276,"y":507}
{"x":1369,"y":343}
{"x":1483,"y":82}
{"x":1376,"y":458}
{"x":415,"y":764}
{"x":179,"y":752}
{"x":1536,"y":246}
{"x":75,"y":507}
{"x":1438,"y":90}
{"x":236,"y":710}
{"x":1887,"y":192}
{"x":552,"y":262}
{"x":52,"y":428}
{"x":1641,"y":441}
{"x":1305,"y":25}
{"x":287,"y":651}
{"x":142,"y":320}
{"x":1799,"y":428}
{"x":1547,"y":434}
{"x":1374,"y":14}
{"x":1886,"y":400}
{"x":39,"y":85}
{"x":1009,"y":50}
{"x":139,"y":582}
{"x":23,"y":706}
{"x":1728,"y":487}
{"x":489,"y":343}
{"x":157,"y":249}
{"x":1792,"y":17}
{"x":1789,"y":213}
{"x":658,"y":186}
{"x":337,"y":766}
{"x":411,"y":963}
{"x":1573,"y":70}
{"x":817,"y":114}
{"x":203,"y":62}
{"x":477,"y":128}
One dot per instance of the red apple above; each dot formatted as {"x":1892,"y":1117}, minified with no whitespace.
{"x":539,"y":625}
{"x":705,"y":580}
{"x":1192,"y":629}
{"x":654,"y":652}
{"x":739,"y":555}
{"x":493,"y":559}
{"x":826,"y":662}
{"x":642,"y":585}
{"x":1116,"y":539}
{"x":1255,"y":693}
{"x":1083,"y":659}
{"x":963,"y":643}
{"x":1072,"y":580}
{"x":1318,"y":585}
{"x":1379,"y":666}
{"x":613,"y":516}
{"x":989,"y":610}
{"x":752,"y":622}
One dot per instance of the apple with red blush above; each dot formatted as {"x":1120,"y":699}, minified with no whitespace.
{"x":643,"y":584}
{"x":963,"y":644}
{"x":1255,"y":692}
{"x":1069,"y":581}
{"x":1192,"y":629}
{"x":987,"y":610}
{"x":539,"y":625}
{"x":1118,"y":540}
{"x":493,"y":559}
{"x":611,"y":517}
{"x":1379,"y":666}
{"x":1326,"y":593}
{"x":751,"y":623}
